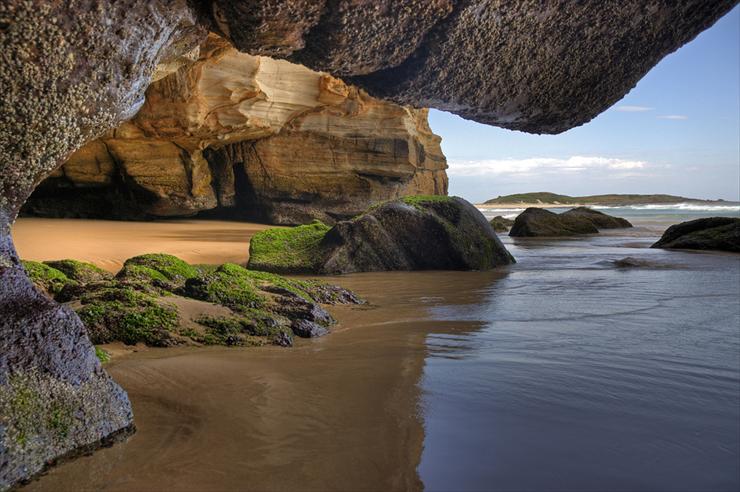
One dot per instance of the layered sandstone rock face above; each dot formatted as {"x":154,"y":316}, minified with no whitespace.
{"x":249,"y":136}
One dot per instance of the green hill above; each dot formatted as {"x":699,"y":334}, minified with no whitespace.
{"x":611,"y":199}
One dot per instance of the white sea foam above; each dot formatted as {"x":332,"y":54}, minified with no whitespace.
{"x":676,"y":206}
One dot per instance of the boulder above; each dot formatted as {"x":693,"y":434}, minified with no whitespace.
{"x":538,"y":222}
{"x":713,"y":233}
{"x":598,"y":219}
{"x":501,"y":224}
{"x":412,"y":233}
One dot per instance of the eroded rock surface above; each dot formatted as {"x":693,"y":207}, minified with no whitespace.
{"x":713,"y":233}
{"x":251,"y":137}
{"x":412,"y":233}
{"x":73,"y":70}
{"x":528,"y":65}
{"x":68,"y":71}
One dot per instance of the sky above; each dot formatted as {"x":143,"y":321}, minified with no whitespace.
{"x":676,"y":132}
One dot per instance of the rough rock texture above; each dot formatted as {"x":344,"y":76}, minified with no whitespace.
{"x":581,"y":57}
{"x":534,"y":222}
{"x":501,"y":223}
{"x":537,"y":66}
{"x":68,"y":71}
{"x":252,"y":137}
{"x":714,"y":233}
{"x":454,"y":236}
{"x":598,"y":219}
{"x":162,"y":301}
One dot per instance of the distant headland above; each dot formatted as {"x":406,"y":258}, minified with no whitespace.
{"x":547,"y":199}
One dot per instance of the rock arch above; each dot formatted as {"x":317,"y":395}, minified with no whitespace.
{"x":70,"y":71}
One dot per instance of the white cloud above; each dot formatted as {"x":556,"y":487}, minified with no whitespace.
{"x":633,"y":109}
{"x":672,"y":117}
{"x":542,"y":165}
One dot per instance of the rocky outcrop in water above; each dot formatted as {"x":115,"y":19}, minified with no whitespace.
{"x":71,"y":71}
{"x":713,"y":233}
{"x":501,"y":223}
{"x":413,"y":233}
{"x":248,"y":136}
{"x":538,"y":222}
{"x":599,"y":219}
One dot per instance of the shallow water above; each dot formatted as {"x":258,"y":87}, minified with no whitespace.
{"x":561,"y":372}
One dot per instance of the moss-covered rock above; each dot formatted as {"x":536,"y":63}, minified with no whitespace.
{"x":123,"y":314}
{"x":538,"y":222}
{"x":288,"y":250}
{"x":229,"y":285}
{"x":158,"y":267}
{"x":501,"y":223}
{"x":411,"y":233}
{"x":248,"y":329}
{"x":48,"y":279}
{"x":80,"y":271}
{"x":147,"y":302}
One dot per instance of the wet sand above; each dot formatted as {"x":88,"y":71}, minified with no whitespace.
{"x":109,"y":243}
{"x":338,"y":413}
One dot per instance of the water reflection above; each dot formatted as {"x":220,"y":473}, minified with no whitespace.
{"x":339,"y":413}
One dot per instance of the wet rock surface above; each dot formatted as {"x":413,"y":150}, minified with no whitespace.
{"x":714,"y":233}
{"x":599,"y":219}
{"x":501,"y":224}
{"x":150,"y":301}
{"x":538,"y":222}
{"x":413,"y":233}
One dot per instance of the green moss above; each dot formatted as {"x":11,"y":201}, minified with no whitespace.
{"x":142,"y":273}
{"x":229,"y":285}
{"x":80,"y":271}
{"x":289,"y":250}
{"x":170,"y":267}
{"x":102,"y":355}
{"x":123,"y":314}
{"x":50,"y":279}
{"x":415,"y":200}
{"x":225,"y":330}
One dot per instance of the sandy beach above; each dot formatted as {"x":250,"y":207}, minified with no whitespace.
{"x":109,"y":243}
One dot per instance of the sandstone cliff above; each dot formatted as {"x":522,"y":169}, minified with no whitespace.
{"x":248,"y":136}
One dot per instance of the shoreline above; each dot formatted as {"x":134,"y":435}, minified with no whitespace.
{"x":711,"y":205}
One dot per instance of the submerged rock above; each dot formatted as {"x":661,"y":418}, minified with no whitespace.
{"x":538,"y":222}
{"x":713,"y":233}
{"x":412,"y":233}
{"x":501,"y":223}
{"x":598,"y":219}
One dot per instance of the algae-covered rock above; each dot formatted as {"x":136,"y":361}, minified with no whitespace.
{"x":46,"y":278}
{"x":120,"y":313}
{"x":538,"y":222}
{"x":713,"y":233}
{"x":288,"y":250}
{"x":80,"y":271}
{"x":160,"y":300}
{"x":501,"y":223}
{"x":158,"y":267}
{"x":599,"y":219}
{"x":411,"y":233}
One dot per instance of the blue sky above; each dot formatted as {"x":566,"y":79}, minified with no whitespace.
{"x":676,"y":132}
